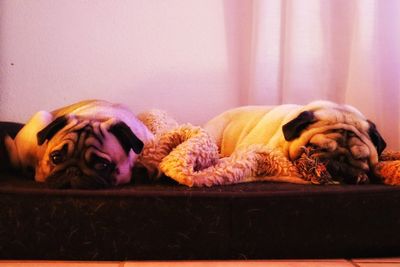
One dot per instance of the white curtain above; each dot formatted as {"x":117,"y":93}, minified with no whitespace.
{"x":347,"y":51}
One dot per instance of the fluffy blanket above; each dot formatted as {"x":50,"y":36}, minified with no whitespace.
{"x":191,"y":156}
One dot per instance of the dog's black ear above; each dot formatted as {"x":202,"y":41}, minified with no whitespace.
{"x":50,"y":130}
{"x":376,"y":138}
{"x":293,"y":128}
{"x":126,"y":137}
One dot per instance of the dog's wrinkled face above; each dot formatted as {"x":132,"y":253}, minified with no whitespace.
{"x":86,"y":153}
{"x":344,"y":153}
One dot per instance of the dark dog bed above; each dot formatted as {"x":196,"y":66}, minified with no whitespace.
{"x":165,"y":221}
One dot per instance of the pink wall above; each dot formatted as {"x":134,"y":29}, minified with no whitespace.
{"x":172,"y":55}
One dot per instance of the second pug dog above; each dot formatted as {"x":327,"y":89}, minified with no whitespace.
{"x":90,"y":144}
{"x":337,"y":135}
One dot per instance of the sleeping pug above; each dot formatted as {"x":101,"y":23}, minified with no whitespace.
{"x":338,"y":136}
{"x":90,"y":144}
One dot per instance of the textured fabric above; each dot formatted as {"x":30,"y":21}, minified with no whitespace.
{"x":388,"y":169}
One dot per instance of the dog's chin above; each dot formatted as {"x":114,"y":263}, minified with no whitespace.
{"x":340,"y":167}
{"x":62,"y":180}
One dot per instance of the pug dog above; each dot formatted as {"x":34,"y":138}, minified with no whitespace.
{"x":339,"y":136}
{"x":89,"y":144}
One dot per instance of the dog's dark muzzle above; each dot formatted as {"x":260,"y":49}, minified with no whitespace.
{"x":74,"y":177}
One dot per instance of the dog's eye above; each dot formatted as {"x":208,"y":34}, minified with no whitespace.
{"x":56,"y":157}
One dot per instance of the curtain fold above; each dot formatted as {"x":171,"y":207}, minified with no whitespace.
{"x":346,"y":51}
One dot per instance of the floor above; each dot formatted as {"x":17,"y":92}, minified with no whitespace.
{"x":391,"y":262}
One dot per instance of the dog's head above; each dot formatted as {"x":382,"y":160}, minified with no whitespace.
{"x":81,"y":153}
{"x":345,"y":147}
